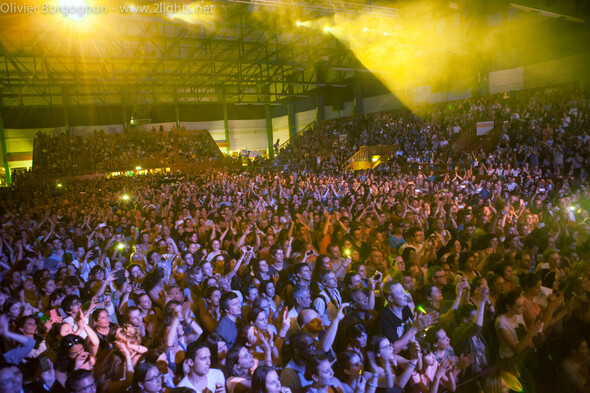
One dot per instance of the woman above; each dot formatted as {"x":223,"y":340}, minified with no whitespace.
{"x":136,"y":275}
{"x":153,"y":284}
{"x":29,"y":326}
{"x":258,"y":344}
{"x":101,"y":324}
{"x":238,"y":364}
{"x":496,"y":285}
{"x":432,"y":374}
{"x":174,"y":338}
{"x":356,"y":339}
{"x":266,"y":380}
{"x":478,"y":286}
{"x":513,"y":336}
{"x":386,"y":360}
{"x":147,"y":379}
{"x":505,"y":270}
{"x":116,"y":371}
{"x":531,"y":283}
{"x":71,"y":355}
{"x":211,"y":313}
{"x":319,"y":370}
{"x":349,"y":371}
{"x":467,"y":265}
{"x":218,"y":349}
{"x":259,"y":271}
{"x":432,"y":297}
{"x":267,"y":291}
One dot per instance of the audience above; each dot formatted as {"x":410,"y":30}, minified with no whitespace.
{"x":293,"y":275}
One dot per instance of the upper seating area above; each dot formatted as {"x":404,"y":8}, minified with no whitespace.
{"x":57,"y":153}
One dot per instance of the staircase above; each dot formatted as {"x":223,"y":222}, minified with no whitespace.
{"x":369,"y":157}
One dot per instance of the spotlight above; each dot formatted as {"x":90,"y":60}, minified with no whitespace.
{"x":125,"y":197}
{"x":326,"y":29}
{"x":73,"y":9}
{"x":59,"y":185}
{"x":138,"y":168}
{"x":120,"y":246}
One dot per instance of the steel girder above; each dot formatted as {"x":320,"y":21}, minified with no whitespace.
{"x":144,"y":59}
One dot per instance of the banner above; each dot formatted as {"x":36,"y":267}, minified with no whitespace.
{"x":484,"y":126}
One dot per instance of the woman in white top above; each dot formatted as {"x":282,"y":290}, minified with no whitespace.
{"x":514,"y":337}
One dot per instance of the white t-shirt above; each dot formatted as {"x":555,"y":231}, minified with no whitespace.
{"x":214,"y":376}
{"x":504,"y":323}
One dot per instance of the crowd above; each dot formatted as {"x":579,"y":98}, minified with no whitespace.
{"x":313,"y":280}
{"x":60,"y":153}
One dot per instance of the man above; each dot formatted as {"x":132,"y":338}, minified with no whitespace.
{"x":358,"y":243}
{"x":361,"y":306}
{"x":278,"y":268}
{"x":396,"y":321}
{"x":437,"y":276}
{"x":414,"y":238}
{"x":303,"y":274}
{"x":376,"y":263}
{"x":200,"y":376}
{"x":439,"y":230}
{"x":339,"y":265}
{"x":54,"y":261}
{"x":81,"y":381}
{"x":228,"y":324}
{"x":301,"y":301}
{"x":329,"y":299}
{"x":292,"y":376}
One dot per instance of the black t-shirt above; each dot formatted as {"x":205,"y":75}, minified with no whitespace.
{"x":391,"y":326}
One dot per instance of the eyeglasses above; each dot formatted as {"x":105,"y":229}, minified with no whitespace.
{"x":388,"y":346}
{"x":157,"y":377}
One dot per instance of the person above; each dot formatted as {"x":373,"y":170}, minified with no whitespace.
{"x":200,"y":376}
{"x":293,"y":374}
{"x":468,"y":339}
{"x":396,"y":321}
{"x":147,"y":379}
{"x":433,"y":376}
{"x":515,"y":339}
{"x":11,"y":378}
{"x":24,"y":347}
{"x":386,"y":360}
{"x":228,"y":324}
{"x":239,"y":362}
{"x":81,"y":381}
{"x":576,"y":365}
{"x":329,"y":299}
{"x":349,"y":373}
{"x":319,"y":370}
{"x":266,"y":380}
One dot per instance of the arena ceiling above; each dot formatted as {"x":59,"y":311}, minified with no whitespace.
{"x":143,"y":52}
{"x":242,"y":51}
